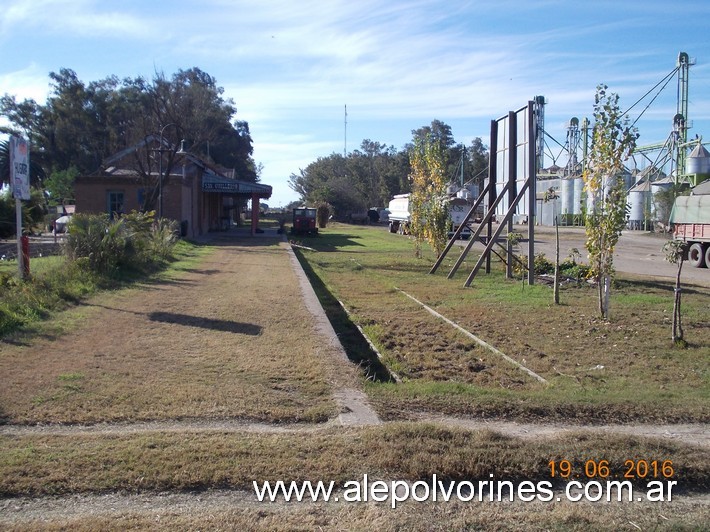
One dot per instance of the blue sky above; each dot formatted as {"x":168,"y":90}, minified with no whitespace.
{"x":291,"y":67}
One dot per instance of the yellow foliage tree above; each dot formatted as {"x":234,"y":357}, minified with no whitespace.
{"x":429,"y":208}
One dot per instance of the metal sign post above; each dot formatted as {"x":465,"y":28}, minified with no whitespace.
{"x":20,"y":179}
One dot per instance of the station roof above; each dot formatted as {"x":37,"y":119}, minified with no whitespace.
{"x":215,"y":183}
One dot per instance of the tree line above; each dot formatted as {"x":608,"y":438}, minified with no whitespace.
{"x":369,"y":176}
{"x":81,"y":124}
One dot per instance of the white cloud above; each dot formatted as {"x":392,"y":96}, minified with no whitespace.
{"x":75,"y":18}
{"x":28,"y":83}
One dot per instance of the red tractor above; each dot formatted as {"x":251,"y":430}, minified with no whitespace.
{"x":304,"y":221}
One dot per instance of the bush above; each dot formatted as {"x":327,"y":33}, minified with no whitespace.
{"x":568,"y":268}
{"x":133,"y":242}
{"x":542,"y":265}
{"x":162,"y":239}
{"x":323,"y":212}
{"x":97,"y":251}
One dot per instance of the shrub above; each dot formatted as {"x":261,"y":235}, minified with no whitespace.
{"x":542,"y":265}
{"x":323,"y":212}
{"x":133,"y":242}
{"x":162,"y":238}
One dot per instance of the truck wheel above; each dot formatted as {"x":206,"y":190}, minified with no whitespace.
{"x":394,"y":226}
{"x":707,"y":257}
{"x":696,"y":256}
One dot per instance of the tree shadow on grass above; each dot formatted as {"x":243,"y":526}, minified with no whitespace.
{"x":212,"y":324}
{"x":206,"y":323}
{"x":328,"y":242}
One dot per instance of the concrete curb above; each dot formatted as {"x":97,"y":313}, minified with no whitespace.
{"x":354,"y":406}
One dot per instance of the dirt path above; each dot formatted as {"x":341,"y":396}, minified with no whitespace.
{"x":691,"y":434}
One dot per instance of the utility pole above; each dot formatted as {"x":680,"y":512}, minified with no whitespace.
{"x":345,"y":145}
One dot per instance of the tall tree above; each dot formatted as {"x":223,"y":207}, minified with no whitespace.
{"x":83,"y":124}
{"x":613,"y":141}
{"x":430,"y":215}
{"x":477,"y":158}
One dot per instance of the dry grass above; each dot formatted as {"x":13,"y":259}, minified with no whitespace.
{"x":616,"y":371}
{"x":411,"y":516}
{"x":40,"y":464}
{"x":208,"y":342}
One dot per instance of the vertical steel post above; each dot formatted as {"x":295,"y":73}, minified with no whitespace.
{"x":18,"y":220}
{"x":512,"y":178}
{"x":492,"y":176}
{"x":254,"y":213}
{"x":532,"y":135}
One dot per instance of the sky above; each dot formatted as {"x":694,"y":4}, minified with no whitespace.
{"x":291,"y":67}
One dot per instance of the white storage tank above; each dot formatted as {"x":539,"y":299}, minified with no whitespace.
{"x":660,"y":211}
{"x":578,"y":195}
{"x":639,"y":202}
{"x":567,"y":196}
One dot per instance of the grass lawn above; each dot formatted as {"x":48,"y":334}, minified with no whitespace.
{"x":202,"y":340}
{"x":622,"y":370}
{"x":192,"y":460}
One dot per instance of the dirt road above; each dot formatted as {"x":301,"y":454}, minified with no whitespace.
{"x":637,"y":252}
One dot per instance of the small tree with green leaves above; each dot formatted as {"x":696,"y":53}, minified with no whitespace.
{"x":675,"y":254}
{"x":428,"y":205}
{"x":613,"y":141}
{"x":550,"y":196}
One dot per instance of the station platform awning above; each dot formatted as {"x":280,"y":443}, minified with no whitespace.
{"x":213,"y":183}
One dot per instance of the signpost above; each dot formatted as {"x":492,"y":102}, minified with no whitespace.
{"x":20,"y":179}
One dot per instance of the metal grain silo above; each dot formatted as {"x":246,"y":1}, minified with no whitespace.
{"x":698,"y":162}
{"x":578,"y":195}
{"x":567,"y":196}
{"x":639,"y":202}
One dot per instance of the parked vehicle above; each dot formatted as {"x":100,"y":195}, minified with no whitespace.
{"x":690,"y":220}
{"x":400,"y":215}
{"x":304,"y":221}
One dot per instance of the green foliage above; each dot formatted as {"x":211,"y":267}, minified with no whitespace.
{"x":57,"y":281}
{"x":60,"y":186}
{"x":161,"y":240}
{"x":133,"y":242}
{"x":613,"y":141}
{"x":370,"y":176}
{"x":82,"y":124}
{"x":22,"y":302}
{"x":33,"y":212}
{"x":544,"y":266}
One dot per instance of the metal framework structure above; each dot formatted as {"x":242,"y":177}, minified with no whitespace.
{"x":680,"y":121}
{"x":510,"y":190}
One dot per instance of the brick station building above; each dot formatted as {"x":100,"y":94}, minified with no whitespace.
{"x":198,"y":195}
